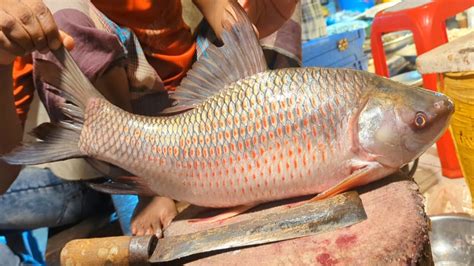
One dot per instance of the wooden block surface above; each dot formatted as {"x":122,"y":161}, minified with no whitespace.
{"x":395,"y":233}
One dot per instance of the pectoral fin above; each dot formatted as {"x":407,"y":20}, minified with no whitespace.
{"x":363,"y":175}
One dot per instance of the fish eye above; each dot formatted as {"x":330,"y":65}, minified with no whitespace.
{"x":420,"y":119}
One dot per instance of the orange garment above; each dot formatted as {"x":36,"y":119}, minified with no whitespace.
{"x":160,"y":28}
{"x":22,"y":86}
{"x":165,"y":38}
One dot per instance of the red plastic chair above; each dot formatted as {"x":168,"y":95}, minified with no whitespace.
{"x":427,"y":21}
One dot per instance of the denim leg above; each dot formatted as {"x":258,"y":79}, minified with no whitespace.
{"x":38,"y":198}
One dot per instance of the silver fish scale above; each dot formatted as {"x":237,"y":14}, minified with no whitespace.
{"x":269,"y":136}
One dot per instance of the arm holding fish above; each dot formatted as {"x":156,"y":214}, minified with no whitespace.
{"x":27,"y":26}
{"x":15,"y":41}
{"x":24,"y":27}
{"x":267,"y":16}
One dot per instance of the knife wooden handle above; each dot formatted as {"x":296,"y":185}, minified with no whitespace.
{"x":120,"y":250}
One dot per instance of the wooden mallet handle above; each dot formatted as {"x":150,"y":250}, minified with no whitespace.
{"x":120,"y":250}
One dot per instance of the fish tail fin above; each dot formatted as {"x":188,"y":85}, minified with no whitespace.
{"x":58,"y":141}
{"x":74,"y":86}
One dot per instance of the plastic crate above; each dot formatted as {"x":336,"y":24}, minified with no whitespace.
{"x":353,"y":61}
{"x":338,"y":50}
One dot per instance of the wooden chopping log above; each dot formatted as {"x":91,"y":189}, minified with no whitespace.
{"x":395,"y":233}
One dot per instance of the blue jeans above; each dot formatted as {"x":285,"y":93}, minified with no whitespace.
{"x":38,"y":198}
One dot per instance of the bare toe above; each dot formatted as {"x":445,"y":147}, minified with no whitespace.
{"x":157,"y":228}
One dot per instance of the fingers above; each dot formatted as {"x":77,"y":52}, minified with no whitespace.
{"x":28,"y":25}
{"x":67,"y":40}
{"x":152,"y":216}
{"x":10,"y":47}
{"x":146,"y":226}
{"x":156,"y":228}
{"x":167,"y":217}
{"x":15,"y":32}
{"x":26,"y":19}
{"x":133,"y":229}
{"x":138,"y":229}
{"x":159,"y":233}
{"x":46,"y":22}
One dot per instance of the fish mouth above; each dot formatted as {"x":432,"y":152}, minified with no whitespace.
{"x":444,"y":110}
{"x":444,"y":106}
{"x":451,"y":106}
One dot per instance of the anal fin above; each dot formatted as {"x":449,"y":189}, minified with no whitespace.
{"x":122,"y":185}
{"x":107,"y":169}
{"x":225,"y":215}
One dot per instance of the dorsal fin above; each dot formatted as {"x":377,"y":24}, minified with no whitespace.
{"x":239,"y":57}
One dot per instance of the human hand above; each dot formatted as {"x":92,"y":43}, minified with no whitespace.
{"x":152,"y":215}
{"x":268,"y":15}
{"x":26,"y":26}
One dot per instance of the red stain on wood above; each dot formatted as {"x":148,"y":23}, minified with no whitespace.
{"x":346,"y":241}
{"x":326,"y":259}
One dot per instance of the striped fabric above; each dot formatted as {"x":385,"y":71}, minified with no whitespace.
{"x":141,"y":75}
{"x":313,"y":23}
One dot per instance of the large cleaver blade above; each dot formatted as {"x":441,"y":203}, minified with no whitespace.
{"x":307,"y":219}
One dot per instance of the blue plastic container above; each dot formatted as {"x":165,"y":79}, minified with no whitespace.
{"x":343,"y":50}
{"x":357,"y":5}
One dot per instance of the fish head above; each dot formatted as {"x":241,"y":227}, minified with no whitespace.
{"x":400,"y":122}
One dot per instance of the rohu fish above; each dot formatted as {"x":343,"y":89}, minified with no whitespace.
{"x":241,"y":134}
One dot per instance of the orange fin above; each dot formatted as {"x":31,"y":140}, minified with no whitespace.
{"x":349,"y":182}
{"x":361,"y":176}
{"x":225,"y":215}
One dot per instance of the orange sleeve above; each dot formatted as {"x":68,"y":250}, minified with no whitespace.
{"x":23,"y":87}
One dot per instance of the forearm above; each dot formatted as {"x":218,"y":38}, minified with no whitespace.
{"x":213,"y":11}
{"x":12,"y":131}
{"x":266,"y":15}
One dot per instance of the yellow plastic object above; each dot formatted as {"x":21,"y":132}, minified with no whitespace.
{"x":459,"y":87}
